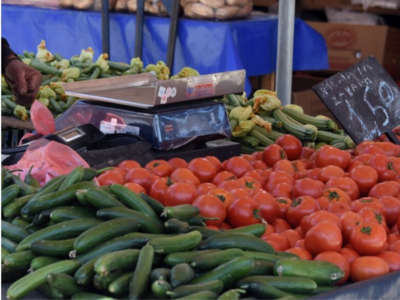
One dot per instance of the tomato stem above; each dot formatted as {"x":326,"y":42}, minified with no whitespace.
{"x":379,"y":218}
{"x":282,"y":201}
{"x":296,"y":202}
{"x":390,"y":166}
{"x":369,"y":200}
{"x":366,"y":230}
{"x":169,"y":181}
{"x":282,"y":153}
{"x":249,"y":184}
{"x":231,"y":178}
{"x":333,"y":195}
{"x":256,"y":214}
{"x":156,"y":164}
{"x":221,"y":197}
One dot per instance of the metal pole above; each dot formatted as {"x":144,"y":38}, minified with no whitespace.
{"x":284,"y":64}
{"x":172,"y":34}
{"x":139,"y":28}
{"x":105,"y":26}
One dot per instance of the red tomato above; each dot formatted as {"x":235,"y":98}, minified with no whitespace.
{"x":384,"y":167}
{"x":354,"y":164}
{"x":269,"y":229}
{"x":140,"y":176}
{"x":385,"y":248}
{"x":240,"y":192}
{"x":121,"y":171}
{"x":257,"y":154}
{"x":216,"y":162}
{"x":159,"y":167}
{"x":336,"y":195}
{"x":372,"y":149}
{"x":368,"y":238}
{"x":250,"y":183}
{"x":313,"y":173}
{"x":393,"y":238}
{"x":300,"y":252}
{"x":365,"y":177}
{"x":369,"y":214}
{"x":300,"y":244}
{"x":211,"y":207}
{"x":268,"y":206}
{"x":349,"y":254}
{"x":392,"y":259}
{"x":272,"y":183}
{"x":338,"y":208}
{"x":126,"y":165}
{"x":349,"y":221}
{"x":256,"y":176}
{"x":282,"y":190}
{"x":367,"y":267}
{"x":249,"y":157}
{"x":325,"y":236}
{"x":323,"y":203}
{"x":273,"y":154}
{"x":111,"y":177}
{"x":299,"y":208}
{"x":205,"y":188}
{"x":134,"y":187}
{"x":283,"y":204}
{"x":203,"y":169}
{"x":238,"y":166}
{"x":368,"y":202}
{"x":285,"y":166}
{"x":293,"y":236}
{"x":185,"y":175}
{"x":395,"y":247}
{"x":281,"y":175}
{"x":244,"y":211}
{"x":337,"y":259}
{"x":307,"y":187}
{"x":317,"y":217}
{"x":389,"y":148}
{"x":363,"y":158}
{"x":306,"y":152}
{"x":259,"y":165}
{"x":281,"y":242}
{"x":177,"y":163}
{"x":223,"y":176}
{"x":291,"y":145}
{"x":330,"y":172}
{"x":180,"y":193}
{"x":266,"y":174}
{"x":281,"y":225}
{"x":328,"y":155}
{"x":230,"y":185}
{"x":346,"y":184}
{"x":212,"y":227}
{"x":225,"y":226}
{"x":360,"y":147}
{"x":224,"y":196}
{"x":384,"y":189}
{"x":159,"y":188}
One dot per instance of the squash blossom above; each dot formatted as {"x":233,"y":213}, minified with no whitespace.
{"x":160,"y":70}
{"x":295,"y":107}
{"x":56,"y":86}
{"x":46,"y":92}
{"x":102,"y":63}
{"x":241,"y":113}
{"x":44,"y":101}
{"x":27,"y":61}
{"x":349,"y":142}
{"x":43,"y":54}
{"x":186,"y":72}
{"x":262,"y":123}
{"x":86,"y":55}
{"x":20,"y":112}
{"x":70,"y":74}
{"x":243,"y":128}
{"x":4,"y":83}
{"x":265,"y":100}
{"x":62,"y":65}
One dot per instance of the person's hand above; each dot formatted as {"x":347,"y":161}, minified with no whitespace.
{"x":24,"y":80}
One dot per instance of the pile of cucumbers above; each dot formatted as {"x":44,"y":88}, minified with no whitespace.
{"x":72,"y":239}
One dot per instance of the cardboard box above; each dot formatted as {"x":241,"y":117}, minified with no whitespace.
{"x":348,"y":44}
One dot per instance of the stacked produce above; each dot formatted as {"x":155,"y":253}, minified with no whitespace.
{"x":258,"y":122}
{"x":217,"y":9}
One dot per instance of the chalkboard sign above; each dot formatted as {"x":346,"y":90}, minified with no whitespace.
{"x":364,"y":99}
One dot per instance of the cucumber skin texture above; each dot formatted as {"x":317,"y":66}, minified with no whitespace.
{"x":100,"y":199}
{"x":173,"y":259}
{"x":90,"y":296}
{"x":13,"y":209}
{"x":13,"y":232}
{"x":9,"y":194}
{"x":120,"y":286}
{"x":28,"y":283}
{"x":256,"y":229}
{"x":181,"y":274}
{"x":63,"y":283}
{"x":141,"y":276}
{"x":19,"y":259}
{"x":215,"y":286}
{"x":182,"y":242}
{"x":42,"y":261}
{"x":210,"y":261}
{"x":204,"y":295}
{"x":117,"y":260}
{"x":262,"y":267}
{"x":103,"y":232}
{"x":160,"y":273}
{"x":62,"y":215}
{"x":58,"y":231}
{"x":322,"y":272}
{"x":229,"y":295}
{"x":160,"y":288}
{"x":182,"y":212}
{"x":263,"y":290}
{"x":296,"y":285}
{"x":8,"y":244}
{"x":84,"y":275}
{"x":56,"y":248}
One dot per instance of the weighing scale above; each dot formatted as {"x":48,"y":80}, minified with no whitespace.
{"x":177,"y":117}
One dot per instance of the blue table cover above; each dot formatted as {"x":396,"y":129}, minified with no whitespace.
{"x":207,"y":46}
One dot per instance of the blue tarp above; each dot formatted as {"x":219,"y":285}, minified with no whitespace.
{"x":207,"y":46}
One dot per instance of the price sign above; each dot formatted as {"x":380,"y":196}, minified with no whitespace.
{"x":364,"y":99}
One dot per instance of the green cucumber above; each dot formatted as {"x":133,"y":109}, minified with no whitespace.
{"x":85,"y":274}
{"x":205,"y":232}
{"x":117,"y":260}
{"x":57,"y":248}
{"x":263,"y":290}
{"x":101,"y":281}
{"x":140,"y":278}
{"x":50,"y":293}
{"x":160,"y":288}
{"x":178,"y":243}
{"x":90,"y":296}
{"x":210,"y":261}
{"x":32,"y":181}
{"x":19,"y":259}
{"x":4,"y":253}
{"x":32,"y":281}
{"x":197,"y":221}
{"x":262,"y":267}
{"x":14,"y":208}
{"x":181,"y":212}
{"x":89,"y":174}
{"x":116,"y":244}
{"x":146,"y":223}
{"x":20,"y":223}
{"x":120,"y":286}
{"x":229,"y":273}
{"x":8,"y":244}
{"x":160,"y":273}
{"x":103,"y":232}
{"x":9,"y":194}
{"x":287,"y":255}
{"x":12,"y":232}
{"x":176,"y":226}
{"x":24,"y":189}
{"x":44,"y":216}
{"x":322,"y":272}
{"x":100,"y":199}
{"x":64,"y":230}
{"x":133,"y":200}
{"x":153,"y":203}
{"x":63,"y":283}
{"x":256,"y":229}
{"x":231,"y":295}
{"x":237,"y":240}
{"x":296,"y":285}
{"x":73,"y":177}
{"x":81,"y":196}
{"x":71,"y":213}
{"x":42,"y":261}
{"x":204,"y":295}
{"x":181,"y":274}
{"x":262,"y":256}
{"x":173,"y":259}
{"x":215,"y":286}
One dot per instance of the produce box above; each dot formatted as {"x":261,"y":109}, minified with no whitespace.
{"x":217,"y":9}
{"x":348,"y":44}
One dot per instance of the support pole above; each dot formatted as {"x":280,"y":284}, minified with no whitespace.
{"x":139,"y":28}
{"x":105,"y":26}
{"x":174,"y":15}
{"x":284,"y":64}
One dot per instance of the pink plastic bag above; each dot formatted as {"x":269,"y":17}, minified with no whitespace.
{"x":42,"y":119}
{"x":49,"y":159}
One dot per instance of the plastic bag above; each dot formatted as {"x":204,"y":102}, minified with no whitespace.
{"x":49,"y":159}
{"x":42,"y":119}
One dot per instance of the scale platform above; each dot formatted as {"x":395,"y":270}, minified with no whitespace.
{"x":174,"y":116}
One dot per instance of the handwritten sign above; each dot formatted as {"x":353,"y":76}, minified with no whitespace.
{"x":364,"y":99}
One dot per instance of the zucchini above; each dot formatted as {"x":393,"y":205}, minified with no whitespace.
{"x":90,"y":296}
{"x":212,"y":260}
{"x":146,"y":223}
{"x":42,"y":261}
{"x":181,"y":212}
{"x":140,"y":278}
{"x":118,"y":66}
{"x":63,"y":283}
{"x":71,"y":213}
{"x":9,"y":194}
{"x":178,"y":243}
{"x":175,"y":258}
{"x":104,"y":232}
{"x":263,"y":139}
{"x":64,"y":230}
{"x":19,"y":259}
{"x":322,"y":272}
{"x":153,"y":203}
{"x":8,"y":244}
{"x":32,"y":281}
{"x":160,"y":288}
{"x":12,"y":232}
{"x":57,"y":248}
{"x":293,"y":128}
{"x":257,"y":230}
{"x":100,"y":199}
{"x":296,"y":285}
{"x":322,"y":124}
{"x":237,"y":240}
{"x":85,"y":274}
{"x":181,"y":274}
{"x":229,"y":273}
{"x":176,"y":226}
{"x":120,"y":286}
{"x":204,"y":295}
{"x":50,"y":293}
{"x":117,"y":260}
{"x":160,"y":273}
{"x":215,"y":286}
{"x":262,"y":267}
{"x":44,"y":68}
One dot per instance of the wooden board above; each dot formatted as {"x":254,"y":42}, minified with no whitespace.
{"x":15,"y":123}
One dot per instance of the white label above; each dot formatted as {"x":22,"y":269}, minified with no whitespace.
{"x":168,"y":92}
{"x":161,"y":91}
{"x":114,"y":121}
{"x":107,"y":127}
{"x":173,"y":92}
{"x":164,"y":99}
